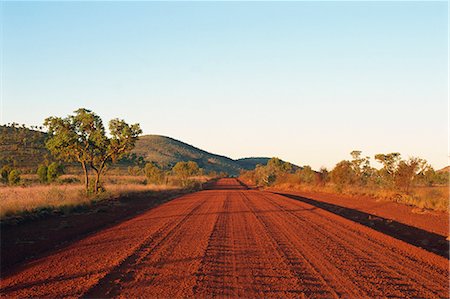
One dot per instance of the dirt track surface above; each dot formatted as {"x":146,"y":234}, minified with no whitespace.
{"x":239,"y":243}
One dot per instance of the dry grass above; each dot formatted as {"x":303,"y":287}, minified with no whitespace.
{"x":19,"y":200}
{"x":433,"y":198}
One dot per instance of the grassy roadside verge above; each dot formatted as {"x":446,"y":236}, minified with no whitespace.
{"x":425,"y":198}
{"x":28,"y":236}
{"x":23,"y":203}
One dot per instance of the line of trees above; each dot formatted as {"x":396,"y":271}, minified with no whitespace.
{"x":396,"y":173}
{"x":182,"y":171}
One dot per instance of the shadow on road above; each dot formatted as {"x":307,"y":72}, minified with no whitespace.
{"x":415,"y":236}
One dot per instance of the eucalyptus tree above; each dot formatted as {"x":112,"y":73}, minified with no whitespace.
{"x":82,"y":138}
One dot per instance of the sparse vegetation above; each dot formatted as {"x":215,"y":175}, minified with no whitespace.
{"x":54,"y":170}
{"x":14,"y":177}
{"x":154,"y":174}
{"x":42,"y":173}
{"x":411,"y":181}
{"x":185,"y":170}
{"x":19,"y":200}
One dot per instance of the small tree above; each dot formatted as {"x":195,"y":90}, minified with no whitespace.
{"x":343,"y":174}
{"x":406,"y":173}
{"x":306,"y":174}
{"x":81,"y":137}
{"x":14,"y":177}
{"x":154,"y":174}
{"x":390,"y":163}
{"x":73,"y":138}
{"x":122,"y":141}
{"x":42,"y":173}
{"x":54,"y":170}
{"x":184,"y":170}
{"x":4,"y":173}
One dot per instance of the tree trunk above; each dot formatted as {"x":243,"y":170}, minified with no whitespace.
{"x":86,"y":177}
{"x":98,"y":172}
{"x":97,"y":181}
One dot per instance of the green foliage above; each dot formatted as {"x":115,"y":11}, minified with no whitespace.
{"x":306,"y":174}
{"x":154,"y":174}
{"x":185,"y":170}
{"x":267,"y":175}
{"x":42,"y":173}
{"x":22,"y":147}
{"x":14,"y":177}
{"x":4,"y":173}
{"x":343,"y":174}
{"x":81,"y":137}
{"x":54,"y":170}
{"x":390,"y":163}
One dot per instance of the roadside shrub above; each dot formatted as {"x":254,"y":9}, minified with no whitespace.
{"x":342,"y":175}
{"x":54,"y":170}
{"x":4,"y":173}
{"x":14,"y":177}
{"x":153,"y":174}
{"x":184,"y":170}
{"x":134,"y":171}
{"x":42,"y":173}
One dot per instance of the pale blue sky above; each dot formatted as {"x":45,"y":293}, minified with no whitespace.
{"x":305,"y":81}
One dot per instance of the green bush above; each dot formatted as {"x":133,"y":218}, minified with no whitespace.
{"x":42,"y":173}
{"x":153,"y":174}
{"x":4,"y":173}
{"x":54,"y":170}
{"x":14,"y":177}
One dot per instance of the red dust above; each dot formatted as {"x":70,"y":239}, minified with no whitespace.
{"x":229,"y":241}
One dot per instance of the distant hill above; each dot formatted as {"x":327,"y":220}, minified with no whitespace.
{"x":24,"y":148}
{"x":250,"y":163}
{"x":445,"y":169}
{"x":166,"y":152}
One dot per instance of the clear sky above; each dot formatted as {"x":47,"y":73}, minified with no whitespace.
{"x":305,"y":81}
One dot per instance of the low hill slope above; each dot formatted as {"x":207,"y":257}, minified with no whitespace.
{"x":24,"y":148}
{"x":250,"y":163}
{"x":445,"y":169}
{"x":166,"y":152}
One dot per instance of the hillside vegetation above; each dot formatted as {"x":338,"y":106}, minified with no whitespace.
{"x":21,"y":147}
{"x":24,"y":148}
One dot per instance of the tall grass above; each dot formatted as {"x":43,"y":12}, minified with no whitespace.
{"x":432,"y":198}
{"x":19,"y":200}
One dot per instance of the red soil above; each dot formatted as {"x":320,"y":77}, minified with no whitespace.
{"x":239,"y":243}
{"x":432,"y":221}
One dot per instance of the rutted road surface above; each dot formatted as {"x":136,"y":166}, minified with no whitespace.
{"x":237,"y":243}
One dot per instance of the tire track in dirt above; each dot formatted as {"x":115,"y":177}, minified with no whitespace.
{"x":74,"y":270}
{"x":427,"y":275}
{"x":374,"y":252}
{"x":381,"y":270}
{"x":241,"y":261}
{"x":112,"y":284}
{"x":232,"y":242}
{"x":314,"y":281}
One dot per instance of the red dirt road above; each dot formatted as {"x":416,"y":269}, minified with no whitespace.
{"x":234,"y":242}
